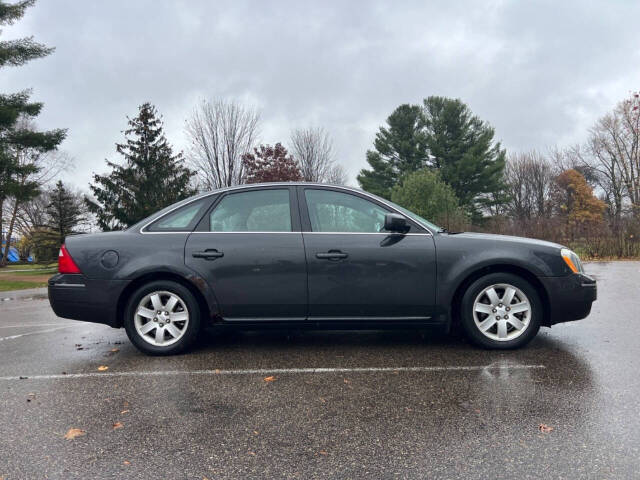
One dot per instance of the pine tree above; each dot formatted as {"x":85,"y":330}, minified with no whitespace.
{"x":464,"y":152}
{"x":64,"y":212}
{"x":19,"y":141}
{"x":270,"y":164}
{"x":151,"y":178}
{"x":400,"y":149}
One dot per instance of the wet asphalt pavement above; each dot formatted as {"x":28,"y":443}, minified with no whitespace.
{"x":465,"y":413}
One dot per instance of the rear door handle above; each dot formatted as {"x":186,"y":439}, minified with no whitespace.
{"x":332,"y":255}
{"x":208,"y":254}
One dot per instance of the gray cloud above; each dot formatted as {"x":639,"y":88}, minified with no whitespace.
{"x":539,"y":72}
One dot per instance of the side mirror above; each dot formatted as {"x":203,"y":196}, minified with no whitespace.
{"x":394,"y":222}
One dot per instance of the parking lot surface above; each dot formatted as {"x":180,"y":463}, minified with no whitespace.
{"x":401,"y":404}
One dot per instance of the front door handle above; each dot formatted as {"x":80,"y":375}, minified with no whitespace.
{"x":208,"y":254}
{"x":332,"y":255}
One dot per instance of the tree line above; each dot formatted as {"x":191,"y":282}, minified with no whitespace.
{"x":436,"y":158}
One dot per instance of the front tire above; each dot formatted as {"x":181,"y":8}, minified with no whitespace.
{"x":501,"y":311}
{"x":162,"y":318}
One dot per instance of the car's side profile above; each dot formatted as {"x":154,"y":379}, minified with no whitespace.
{"x":312,"y":255}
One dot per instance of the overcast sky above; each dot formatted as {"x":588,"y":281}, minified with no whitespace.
{"x":540,"y":72}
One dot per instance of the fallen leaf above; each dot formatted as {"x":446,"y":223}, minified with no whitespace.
{"x":127,"y":462}
{"x":117,"y":425}
{"x":102,"y":368}
{"x":123,"y":412}
{"x":322,"y":452}
{"x":73,"y":433}
{"x":270,"y":379}
{"x":544,"y":428}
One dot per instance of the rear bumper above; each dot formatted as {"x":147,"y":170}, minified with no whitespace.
{"x":78,"y":298}
{"x":570,"y":297}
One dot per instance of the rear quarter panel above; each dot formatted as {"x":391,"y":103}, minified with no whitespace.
{"x":137,"y":255}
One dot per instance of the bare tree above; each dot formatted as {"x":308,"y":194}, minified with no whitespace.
{"x":313,"y":149}
{"x":529,"y":177}
{"x":337,"y":175}
{"x":220,"y":133}
{"x":612,"y":151}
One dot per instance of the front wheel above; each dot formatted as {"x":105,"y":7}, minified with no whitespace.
{"x":162,"y":318}
{"x":501,"y":311}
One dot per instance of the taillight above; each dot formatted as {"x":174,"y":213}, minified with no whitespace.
{"x":65,"y":262}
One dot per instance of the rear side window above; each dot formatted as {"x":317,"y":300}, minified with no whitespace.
{"x":183,"y":219}
{"x":253,"y":211}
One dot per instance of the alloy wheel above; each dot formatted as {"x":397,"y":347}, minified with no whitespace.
{"x":161,"y":318}
{"x":502,"y":312}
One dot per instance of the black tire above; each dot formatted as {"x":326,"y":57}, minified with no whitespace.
{"x":192,"y":327}
{"x":467,"y":310}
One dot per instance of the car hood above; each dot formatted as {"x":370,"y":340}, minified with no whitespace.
{"x":509,"y":239}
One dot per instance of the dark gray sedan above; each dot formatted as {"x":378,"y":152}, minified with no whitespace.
{"x":312,"y":255}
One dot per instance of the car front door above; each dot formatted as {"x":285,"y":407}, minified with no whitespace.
{"x":356,"y":270}
{"x":249,"y":248}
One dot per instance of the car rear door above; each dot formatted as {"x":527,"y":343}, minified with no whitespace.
{"x":355,"y":270}
{"x":249,"y":248}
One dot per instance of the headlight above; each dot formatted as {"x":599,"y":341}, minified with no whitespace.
{"x":572,"y":260}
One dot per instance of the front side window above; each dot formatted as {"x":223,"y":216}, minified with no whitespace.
{"x":331,"y":211}
{"x":253,"y":211}
{"x":181,"y":220}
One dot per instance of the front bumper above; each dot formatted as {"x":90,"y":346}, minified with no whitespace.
{"x":570,"y":297}
{"x":77,"y":297}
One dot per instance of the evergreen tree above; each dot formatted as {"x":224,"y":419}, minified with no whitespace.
{"x":464,"y":152}
{"x":151,"y":178}
{"x":64,"y":212}
{"x":20,"y":143}
{"x":400,"y":148}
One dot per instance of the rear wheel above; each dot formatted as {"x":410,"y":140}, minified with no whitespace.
{"x":162,"y":318}
{"x":501,"y":311}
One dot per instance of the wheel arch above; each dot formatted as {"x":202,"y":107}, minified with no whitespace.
{"x":522,"y":272}
{"x":205,"y":309}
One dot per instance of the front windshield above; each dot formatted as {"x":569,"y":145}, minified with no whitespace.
{"x":416,"y":217}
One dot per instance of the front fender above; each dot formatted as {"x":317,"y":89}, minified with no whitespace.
{"x":460,"y":257}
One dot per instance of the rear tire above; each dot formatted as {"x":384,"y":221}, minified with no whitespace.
{"x":501,"y":311}
{"x":162,"y":318}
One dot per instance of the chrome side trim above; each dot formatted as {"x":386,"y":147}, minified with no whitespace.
{"x":251,"y":233}
{"x":387,"y":318}
{"x":263,"y":319}
{"x":320,"y":319}
{"x":387,"y":234}
{"x":284,"y":184}
{"x":308,"y":233}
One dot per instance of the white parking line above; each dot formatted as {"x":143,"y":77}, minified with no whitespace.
{"x":13,"y":337}
{"x":276,"y":371}
{"x":24,"y":325}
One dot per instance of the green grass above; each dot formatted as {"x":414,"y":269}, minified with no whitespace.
{"x":18,"y":285}
{"x":29,"y":266}
{"x":29,"y":273}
